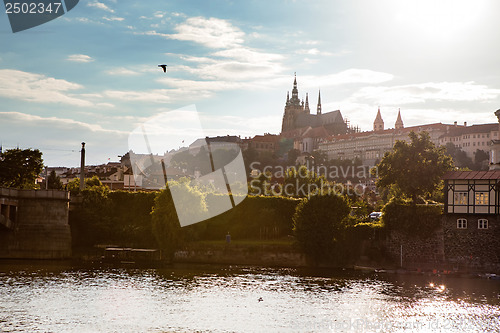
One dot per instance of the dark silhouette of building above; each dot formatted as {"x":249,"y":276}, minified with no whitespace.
{"x":297,"y":116}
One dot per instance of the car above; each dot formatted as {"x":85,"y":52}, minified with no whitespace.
{"x":374,"y":216}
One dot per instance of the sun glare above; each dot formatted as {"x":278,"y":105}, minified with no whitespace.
{"x":441,"y":19}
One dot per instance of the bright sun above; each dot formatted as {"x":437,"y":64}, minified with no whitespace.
{"x":440,"y":19}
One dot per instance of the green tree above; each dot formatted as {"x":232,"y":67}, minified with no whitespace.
{"x":459,"y":156}
{"x":481,"y":160}
{"x":415,"y":168}
{"x":301,"y":182}
{"x":74,"y":185}
{"x":319,"y":223}
{"x":19,"y":168}
{"x":54,"y":182}
{"x":166,"y":226}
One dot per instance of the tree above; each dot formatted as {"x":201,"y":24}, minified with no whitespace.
{"x":459,"y":156}
{"x":318,"y":224}
{"x":20,"y":167}
{"x":481,"y":160}
{"x":415,"y":168}
{"x":54,"y":182}
{"x":301,"y":182}
{"x":166,"y":225}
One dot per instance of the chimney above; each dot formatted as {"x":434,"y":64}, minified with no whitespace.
{"x":465,"y":124}
{"x":455,"y":124}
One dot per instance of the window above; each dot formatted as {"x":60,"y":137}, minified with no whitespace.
{"x":482,"y":198}
{"x":461,"y":224}
{"x":460,"y":198}
{"x":482,"y":224}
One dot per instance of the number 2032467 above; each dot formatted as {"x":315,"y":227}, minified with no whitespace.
{"x":33,"y":7}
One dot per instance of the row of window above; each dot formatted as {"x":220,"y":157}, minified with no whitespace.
{"x":481,"y":198}
{"x":481,"y":223}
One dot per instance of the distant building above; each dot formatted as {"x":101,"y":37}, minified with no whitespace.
{"x":371,"y":146}
{"x":471,"y":138}
{"x":297,"y":116}
{"x":269,"y":143}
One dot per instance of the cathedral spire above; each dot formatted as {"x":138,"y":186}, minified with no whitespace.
{"x":318,"y":108}
{"x":306,"y":108}
{"x":295,"y":91}
{"x":399,"y":121}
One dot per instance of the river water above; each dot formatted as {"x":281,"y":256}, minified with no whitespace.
{"x":60,"y":297}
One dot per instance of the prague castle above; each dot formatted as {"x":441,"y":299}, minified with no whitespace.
{"x":297,"y":116}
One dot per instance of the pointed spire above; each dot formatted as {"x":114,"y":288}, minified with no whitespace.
{"x":399,"y":121}
{"x":295,"y":91}
{"x":378,"y":124}
{"x":306,"y":107}
{"x":318,"y":108}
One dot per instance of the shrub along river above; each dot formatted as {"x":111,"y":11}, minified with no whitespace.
{"x":64,"y":297}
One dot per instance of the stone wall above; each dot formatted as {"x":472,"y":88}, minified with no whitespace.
{"x":472,"y":249}
{"x":450,"y":248}
{"x":40,"y":229}
{"x":417,"y":252}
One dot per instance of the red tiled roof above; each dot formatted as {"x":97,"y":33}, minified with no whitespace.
{"x":266,"y":138}
{"x":492,"y":174}
{"x":316,"y":132}
{"x":461,"y":130}
{"x":439,"y":126}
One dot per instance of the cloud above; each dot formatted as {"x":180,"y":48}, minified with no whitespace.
{"x":113,"y":18}
{"x":38,"y":88}
{"x":79,"y":58}
{"x":122,"y":71}
{"x":430,"y":91}
{"x":212,"y":32}
{"x":313,"y":51}
{"x":156,"y":95}
{"x":100,"y":5}
{"x":60,"y":139}
{"x":54,"y":122}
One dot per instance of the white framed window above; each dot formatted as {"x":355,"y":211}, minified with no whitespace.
{"x":460,"y":198}
{"x":482,"y":198}
{"x":461,"y":223}
{"x":482,"y":224}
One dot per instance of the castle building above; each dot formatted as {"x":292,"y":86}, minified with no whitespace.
{"x":297,"y":117}
{"x":371,"y":146}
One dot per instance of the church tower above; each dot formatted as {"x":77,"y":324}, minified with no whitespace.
{"x":293,"y":108}
{"x":378,"y":124}
{"x":318,"y":108}
{"x":399,"y":121}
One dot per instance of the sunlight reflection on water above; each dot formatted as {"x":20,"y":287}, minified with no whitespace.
{"x":226,"y":299}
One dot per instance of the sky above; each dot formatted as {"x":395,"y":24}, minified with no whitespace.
{"x":91,"y":75}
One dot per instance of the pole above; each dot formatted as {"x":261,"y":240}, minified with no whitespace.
{"x":401,"y":255}
{"x":46,"y":177}
{"x":82,"y":167}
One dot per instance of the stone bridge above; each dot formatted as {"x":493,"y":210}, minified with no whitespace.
{"x":34,"y":224}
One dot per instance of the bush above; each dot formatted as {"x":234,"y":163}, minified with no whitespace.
{"x":319,"y":224}
{"x":410,"y":219}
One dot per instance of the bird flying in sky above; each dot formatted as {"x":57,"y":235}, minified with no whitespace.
{"x":164,"y":68}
